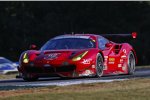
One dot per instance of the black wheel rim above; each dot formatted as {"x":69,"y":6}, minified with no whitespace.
{"x":131,"y":63}
{"x":99,"y":66}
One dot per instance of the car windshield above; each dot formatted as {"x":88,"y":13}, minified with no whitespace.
{"x":4,"y":61}
{"x":68,"y":43}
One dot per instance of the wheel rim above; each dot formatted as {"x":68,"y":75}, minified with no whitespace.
{"x":99,"y":67}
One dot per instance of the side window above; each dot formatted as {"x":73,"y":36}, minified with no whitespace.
{"x":101,"y":42}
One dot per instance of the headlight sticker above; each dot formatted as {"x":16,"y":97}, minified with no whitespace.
{"x":77,"y":58}
{"x":25,"y":58}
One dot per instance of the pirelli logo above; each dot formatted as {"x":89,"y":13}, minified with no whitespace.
{"x":111,"y":59}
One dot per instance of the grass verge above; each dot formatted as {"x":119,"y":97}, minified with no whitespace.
{"x":135,"y":89}
{"x":145,"y":66}
{"x":8,"y":76}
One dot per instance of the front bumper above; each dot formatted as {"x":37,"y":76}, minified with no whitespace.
{"x":68,"y":69}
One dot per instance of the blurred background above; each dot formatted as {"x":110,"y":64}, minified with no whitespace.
{"x":24,"y":23}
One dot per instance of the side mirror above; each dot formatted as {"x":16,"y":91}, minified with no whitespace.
{"x":32,"y":47}
{"x":108,"y":44}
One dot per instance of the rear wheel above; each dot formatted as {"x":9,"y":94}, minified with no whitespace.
{"x":131,"y":63}
{"x":29,"y":77}
{"x":99,"y":65}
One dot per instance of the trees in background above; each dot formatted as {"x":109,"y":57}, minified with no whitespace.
{"x":25,"y":23}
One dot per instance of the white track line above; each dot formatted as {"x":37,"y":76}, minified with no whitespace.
{"x":72,"y":82}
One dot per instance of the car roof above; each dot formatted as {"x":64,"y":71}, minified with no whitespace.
{"x":76,"y":36}
{"x":82,"y":34}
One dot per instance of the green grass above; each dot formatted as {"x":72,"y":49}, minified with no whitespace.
{"x":99,"y":95}
{"x":8,"y":76}
{"x":135,"y":89}
{"x":146,"y":66}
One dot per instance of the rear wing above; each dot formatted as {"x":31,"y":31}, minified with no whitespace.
{"x":121,"y":38}
{"x":132,"y":35}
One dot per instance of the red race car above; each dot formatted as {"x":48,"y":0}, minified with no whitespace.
{"x":78,"y":55}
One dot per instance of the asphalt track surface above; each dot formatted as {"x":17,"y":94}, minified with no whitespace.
{"x":56,"y":81}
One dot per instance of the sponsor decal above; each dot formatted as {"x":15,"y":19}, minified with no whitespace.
{"x":93,"y":66}
{"x":106,"y":57}
{"x":124,"y":56}
{"x":87,"y":61}
{"x":51,"y":56}
{"x":119,"y":65}
{"x":124,"y":68}
{"x":124,"y":50}
{"x":111,"y":62}
{"x":111,"y":59}
{"x":121,"y":60}
{"x":87,"y":73}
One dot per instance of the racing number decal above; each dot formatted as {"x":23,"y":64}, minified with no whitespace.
{"x":124,"y":50}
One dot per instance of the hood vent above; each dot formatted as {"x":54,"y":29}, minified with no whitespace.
{"x":117,"y":48}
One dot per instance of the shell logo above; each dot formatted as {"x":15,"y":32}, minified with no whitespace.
{"x":111,"y":59}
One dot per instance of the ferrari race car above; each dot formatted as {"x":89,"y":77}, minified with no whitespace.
{"x":78,"y":55}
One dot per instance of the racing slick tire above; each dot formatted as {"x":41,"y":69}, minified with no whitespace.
{"x":99,"y":65}
{"x":29,"y":77}
{"x":131,"y":63}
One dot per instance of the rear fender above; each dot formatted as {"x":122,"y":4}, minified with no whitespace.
{"x":126,"y":48}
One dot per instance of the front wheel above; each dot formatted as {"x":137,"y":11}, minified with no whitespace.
{"x":99,"y":65}
{"x":131,"y":63}
{"x":29,"y":77}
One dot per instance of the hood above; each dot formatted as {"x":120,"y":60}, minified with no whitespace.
{"x":54,"y":54}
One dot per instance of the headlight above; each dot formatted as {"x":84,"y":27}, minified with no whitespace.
{"x":25,"y":58}
{"x":77,"y":58}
